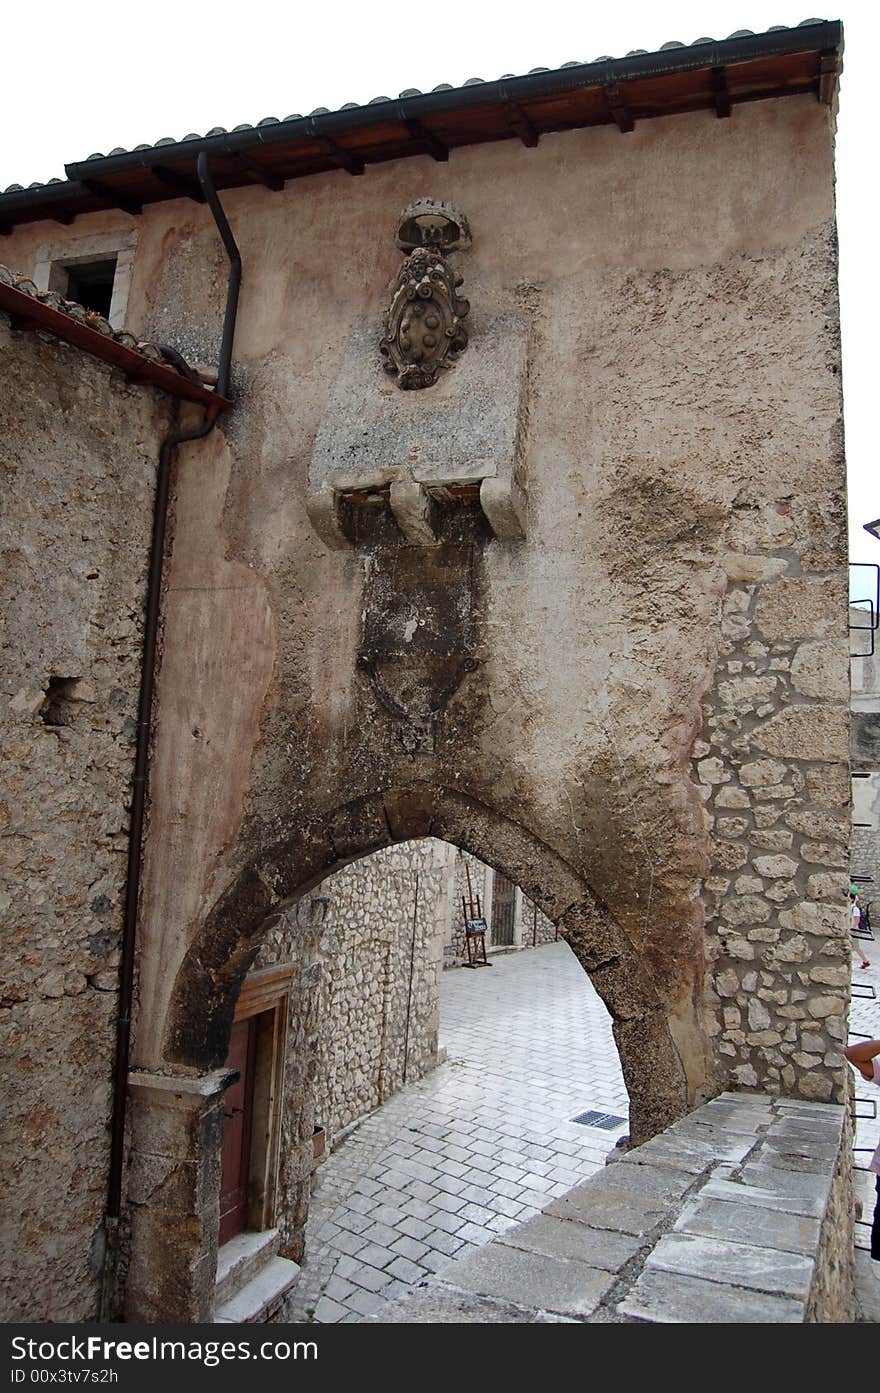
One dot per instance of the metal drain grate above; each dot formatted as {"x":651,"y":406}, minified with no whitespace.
{"x":606,"y":1120}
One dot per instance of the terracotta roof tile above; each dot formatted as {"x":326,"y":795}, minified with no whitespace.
{"x":81,"y":315}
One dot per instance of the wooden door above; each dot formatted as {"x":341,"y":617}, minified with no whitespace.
{"x":237,"y":1121}
{"x":503,"y":911}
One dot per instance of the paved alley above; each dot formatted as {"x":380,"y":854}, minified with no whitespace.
{"x":485,"y":1141}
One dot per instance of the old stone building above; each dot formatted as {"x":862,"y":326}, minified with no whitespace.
{"x":505,"y":509}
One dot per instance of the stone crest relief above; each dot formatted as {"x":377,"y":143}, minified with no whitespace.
{"x":424,"y":328}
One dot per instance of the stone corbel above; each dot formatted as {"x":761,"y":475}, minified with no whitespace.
{"x":322,"y":506}
{"x":504,"y":504}
{"x":413,"y":512}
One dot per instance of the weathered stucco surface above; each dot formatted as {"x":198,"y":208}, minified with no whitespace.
{"x":78,"y":451}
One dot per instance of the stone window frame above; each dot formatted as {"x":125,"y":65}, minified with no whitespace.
{"x":53,"y":257}
{"x":266,"y":995}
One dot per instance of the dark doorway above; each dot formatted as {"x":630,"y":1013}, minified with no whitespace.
{"x":503,"y":911}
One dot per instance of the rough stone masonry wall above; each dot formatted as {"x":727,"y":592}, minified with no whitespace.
{"x":78,"y":450}
{"x":357,"y":969}
{"x":365,"y":992}
{"x":775,"y":781}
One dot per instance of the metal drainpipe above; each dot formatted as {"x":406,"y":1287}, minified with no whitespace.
{"x":142,"y":751}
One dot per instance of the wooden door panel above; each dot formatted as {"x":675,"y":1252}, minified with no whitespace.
{"x":237,"y":1122}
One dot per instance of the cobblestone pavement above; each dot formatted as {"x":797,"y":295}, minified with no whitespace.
{"x":485,"y":1141}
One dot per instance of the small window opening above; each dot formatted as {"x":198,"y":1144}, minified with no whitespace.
{"x":90,"y":283}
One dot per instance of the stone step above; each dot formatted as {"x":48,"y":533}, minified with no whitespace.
{"x":261,"y":1296}
{"x":241,"y":1259}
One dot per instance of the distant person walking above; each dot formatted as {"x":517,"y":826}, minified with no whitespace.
{"x":855,"y":909}
{"x":865,"y":1056}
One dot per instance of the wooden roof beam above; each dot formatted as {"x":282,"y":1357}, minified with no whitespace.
{"x":435,"y":148}
{"x":829,"y":70}
{"x":720,"y":92}
{"x":178,"y":183}
{"x":618,"y":108}
{"x":343,"y":158}
{"x":260,"y":175}
{"x":520,"y":124}
{"x":102,"y":190}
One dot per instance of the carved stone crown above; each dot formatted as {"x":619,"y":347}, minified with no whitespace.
{"x":427,"y":223}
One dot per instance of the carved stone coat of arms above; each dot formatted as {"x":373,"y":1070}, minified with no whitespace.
{"x":424,"y":325}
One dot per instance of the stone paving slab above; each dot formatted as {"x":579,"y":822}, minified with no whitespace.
{"x":692,"y":1155}
{"x":615,"y":1210}
{"x":664,"y":1297}
{"x":743,"y":1223}
{"x":739,"y":1264}
{"x":563,"y":1238}
{"x":811,"y":1205}
{"x":632,"y":1176}
{"x":533,"y":1280}
{"x":789,"y":1183}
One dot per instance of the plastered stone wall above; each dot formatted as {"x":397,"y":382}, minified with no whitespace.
{"x":78,"y":450}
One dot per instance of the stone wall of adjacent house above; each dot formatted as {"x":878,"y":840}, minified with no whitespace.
{"x":373,"y":1019}
{"x":78,"y":451}
{"x":381,"y":956}
{"x":776,"y":786}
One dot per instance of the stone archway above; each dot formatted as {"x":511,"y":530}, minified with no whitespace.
{"x":211,"y":974}
{"x":177,"y":1113}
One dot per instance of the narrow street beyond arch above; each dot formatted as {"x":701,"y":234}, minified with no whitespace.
{"x":484,"y":1142}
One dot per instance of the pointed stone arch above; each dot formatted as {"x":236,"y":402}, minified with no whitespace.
{"x":208,"y":982}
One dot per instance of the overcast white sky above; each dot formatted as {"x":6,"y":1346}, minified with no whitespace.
{"x":107,"y":73}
